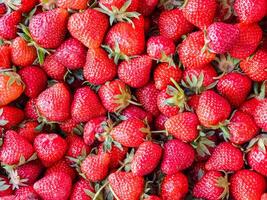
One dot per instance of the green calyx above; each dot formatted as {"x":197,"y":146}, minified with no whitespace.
{"x":11,"y":4}
{"x":226,"y":63}
{"x":259,"y":90}
{"x":202,"y":143}
{"x":115,"y":53}
{"x":223,"y":126}
{"x":3,"y":122}
{"x":223,"y":182}
{"x":14,"y":78}
{"x":261,"y":141}
{"x":167,"y":59}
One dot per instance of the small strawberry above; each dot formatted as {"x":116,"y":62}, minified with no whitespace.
{"x":79,"y":190}
{"x":15,"y":147}
{"x":76,"y":146}
{"x":30,"y":109}
{"x":126,"y":185}
{"x":146,"y":7}
{"x":50,"y":148}
{"x":86,"y":105}
{"x":160,"y":121}
{"x":8,"y":25}
{"x":136,"y":71}
{"x":174,"y":187}
{"x":5,"y":186}
{"x":177,"y":156}
{"x":135,"y":112}
{"x":54,"y":186}
{"x":69,"y":126}
{"x":62,"y":166}
{"x":75,"y":5}
{"x":5,"y":56}
{"x":35,"y":80}
{"x":260,"y":115}
{"x":26,"y":192}
{"x":10,"y":116}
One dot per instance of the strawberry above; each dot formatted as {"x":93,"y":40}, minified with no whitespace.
{"x":81,"y":28}
{"x":225,"y":157}
{"x":135,"y":112}
{"x":246,"y":184}
{"x":174,"y":187}
{"x":53,"y":104}
{"x":190,"y":51}
{"x":5,"y":187}
{"x":76,"y":146}
{"x":147,"y":96}
{"x":130,"y":133}
{"x":10,"y":116}
{"x":5,"y":56}
{"x":172,"y":24}
{"x":35,"y":80}
{"x":86,"y":105}
{"x":201,"y":13}
{"x":160,"y":121}
{"x":71,"y":53}
{"x":50,"y":148}
{"x":249,"y":39}
{"x":24,"y":5}
{"x":163,"y":74}
{"x":177,"y":156}
{"x":234,"y":83}
{"x":117,"y":155}
{"x":62,"y":166}
{"x":212,"y":109}
{"x":53,"y":186}
{"x":198,"y":171}
{"x":95,"y":167}
{"x":69,"y":126}
{"x":126,"y":185}
{"x":221,"y":37}
{"x":30,"y":109}
{"x":260,"y":114}
{"x":146,"y":7}
{"x":146,"y":158}
{"x":11,"y":87}
{"x":250,"y":106}
{"x":15,"y":147}
{"x":75,"y":5}
{"x":193,"y":102}
{"x":213,"y":185}
{"x":79,"y":190}
{"x":135,"y":72}
{"x":120,"y":3}
{"x":183,"y":126}
{"x":8,"y":25}
{"x":48,"y":28}
{"x":99,"y":68}
{"x":26,"y":192}
{"x":255,"y":67}
{"x":264,"y":196}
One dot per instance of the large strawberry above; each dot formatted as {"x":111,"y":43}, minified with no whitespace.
{"x":10,"y":116}
{"x":69,"y":4}
{"x":5,"y":56}
{"x":8,"y":25}
{"x":260,"y":114}
{"x":79,"y":190}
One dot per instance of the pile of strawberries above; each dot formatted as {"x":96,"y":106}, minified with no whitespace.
{"x":133,"y":99}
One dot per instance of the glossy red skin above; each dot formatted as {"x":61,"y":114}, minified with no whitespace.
{"x":164,"y":108}
{"x":53,"y":68}
{"x":234,"y":83}
{"x":9,"y":190}
{"x":174,"y":187}
{"x":30,"y":109}
{"x":86,"y":105}
{"x":256,"y":67}
{"x":68,"y":126}
{"x":172,"y":24}
{"x":183,"y":126}
{"x":81,"y":27}
{"x":257,"y":160}
{"x":35,"y":80}
{"x":135,"y":72}
{"x":260,"y":114}
{"x":247,"y":184}
{"x":99,"y":68}
{"x":27,"y":130}
{"x":250,"y":105}
{"x":5,"y":57}
{"x":136,"y":112}
{"x":54,"y":186}
{"x":120,"y":3}
{"x":70,"y":4}
{"x":76,"y":146}
{"x":160,"y":121}
{"x":78,"y":190}
{"x":8,"y":25}
{"x":14,"y":147}
{"x":12,"y":115}
{"x":146,"y":7}
{"x":71,"y":53}
{"x":50,"y":148}
{"x":126,"y":185}
{"x":163,"y":73}
{"x":54,"y":103}
{"x":249,"y":39}
{"x":62,"y":166}
{"x":26,"y":192}
{"x":177,"y":156}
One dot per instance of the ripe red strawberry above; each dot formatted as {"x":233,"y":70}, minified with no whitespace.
{"x":30,"y":171}
{"x":126,"y":185}
{"x":35,"y":80}
{"x":5,"y":187}
{"x":69,"y":126}
{"x":26,"y":192}
{"x":135,"y":112}
{"x":221,"y":37}
{"x":130,"y":133}
{"x":99,"y":68}
{"x":213,"y":185}
{"x":53,"y":104}
{"x":260,"y":114}
{"x":53,"y":68}
{"x":190,"y":51}
{"x":10,"y":116}
{"x":247,"y":184}
{"x":212,"y":109}
{"x":54,"y":186}
{"x":95,"y":167}
{"x":78,"y":190}
{"x":256,"y":67}
{"x":86,"y":105}
{"x":146,"y":7}
{"x":250,"y":106}
{"x":146,"y":158}
{"x":50,"y":148}
{"x":14,"y":147}
{"x":177,"y":156}
{"x":8,"y":25}
{"x":193,"y":102}
{"x":27,"y":130}
{"x":163,"y":74}
{"x":174,"y":187}
{"x":75,"y":5}
{"x":234,"y":83}
{"x":249,"y":38}
{"x":48,"y":28}
{"x":183,"y":126}
{"x":62,"y":166}
{"x":30,"y":109}
{"x":201,"y":13}
{"x":81,"y":27}
{"x":119,"y":3}
{"x":172,"y":24}
{"x":76,"y":146}
{"x":5,"y":56}
{"x":160,"y":121}
{"x":71,"y":53}
{"x":225,"y":157}
{"x":136,"y":71}
{"x":147,"y":96}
